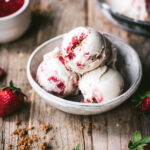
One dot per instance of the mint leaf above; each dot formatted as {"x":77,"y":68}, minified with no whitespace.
{"x":130,"y":144}
{"x":137,"y":136}
{"x":77,"y":148}
{"x":145,"y":140}
{"x":141,"y":143}
{"x":139,"y":148}
{"x":138,"y":142}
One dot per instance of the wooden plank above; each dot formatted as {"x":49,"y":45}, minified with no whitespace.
{"x":101,"y":132}
{"x":50,"y":18}
{"x":123,"y":121}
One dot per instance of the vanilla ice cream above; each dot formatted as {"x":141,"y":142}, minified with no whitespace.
{"x":137,"y":9}
{"x":102,"y":84}
{"x":85,"y":49}
{"x":53,"y":76}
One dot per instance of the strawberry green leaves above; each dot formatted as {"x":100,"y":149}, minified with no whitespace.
{"x":12,"y":88}
{"x":77,"y":148}
{"x":138,"y":142}
{"x":139,"y":98}
{"x":142,"y":101}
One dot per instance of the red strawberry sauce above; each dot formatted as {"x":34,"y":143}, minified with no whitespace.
{"x":59,"y":83}
{"x":8,"y":7}
{"x":73,"y":44}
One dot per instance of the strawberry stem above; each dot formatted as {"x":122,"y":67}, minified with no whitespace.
{"x":13,"y":89}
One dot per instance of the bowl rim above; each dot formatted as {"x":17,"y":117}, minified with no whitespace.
{"x":124,"y":96}
{"x":18,"y":12}
{"x":129,"y":19}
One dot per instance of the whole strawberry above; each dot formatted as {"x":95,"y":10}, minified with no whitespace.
{"x":143,"y":101}
{"x":145,"y":106}
{"x":11,"y":99}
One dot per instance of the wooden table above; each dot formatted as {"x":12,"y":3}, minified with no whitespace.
{"x":108,"y":131}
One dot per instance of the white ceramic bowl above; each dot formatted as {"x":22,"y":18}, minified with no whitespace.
{"x":128,"y":61}
{"x":14,"y":25}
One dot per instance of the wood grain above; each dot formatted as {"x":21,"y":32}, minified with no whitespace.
{"x":109,"y":131}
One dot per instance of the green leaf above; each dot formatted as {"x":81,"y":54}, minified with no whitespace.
{"x":13,"y":89}
{"x":11,"y":83}
{"x":140,"y":143}
{"x":145,"y":140}
{"x":77,"y":148}
{"x":139,"y":98}
{"x":147,"y":94}
{"x":137,"y":136}
{"x":130,"y":144}
{"x":139,"y":148}
{"x":135,"y":99}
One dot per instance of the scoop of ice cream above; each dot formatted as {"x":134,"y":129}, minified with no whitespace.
{"x":118,"y":5}
{"x":53,"y":76}
{"x":137,"y":9}
{"x":102,"y":84}
{"x":84,"y":49}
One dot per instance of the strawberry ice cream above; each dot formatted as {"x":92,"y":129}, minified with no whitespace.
{"x":87,"y":54}
{"x":53,"y":76}
{"x":137,"y":9}
{"x":102,"y":84}
{"x":85,"y":49}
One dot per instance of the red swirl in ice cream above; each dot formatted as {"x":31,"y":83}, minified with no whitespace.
{"x":53,"y":76}
{"x":87,"y":52}
{"x":84,"y":49}
{"x":102,"y":84}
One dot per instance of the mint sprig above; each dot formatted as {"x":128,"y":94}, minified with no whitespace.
{"x":138,"y":142}
{"x":77,"y":148}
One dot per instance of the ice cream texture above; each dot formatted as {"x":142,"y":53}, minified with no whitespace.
{"x":85,"y":49}
{"x":137,"y":9}
{"x":53,"y":76}
{"x":85,"y":61}
{"x":102,"y":84}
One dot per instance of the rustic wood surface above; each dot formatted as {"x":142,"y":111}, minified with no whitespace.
{"x":109,"y":131}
